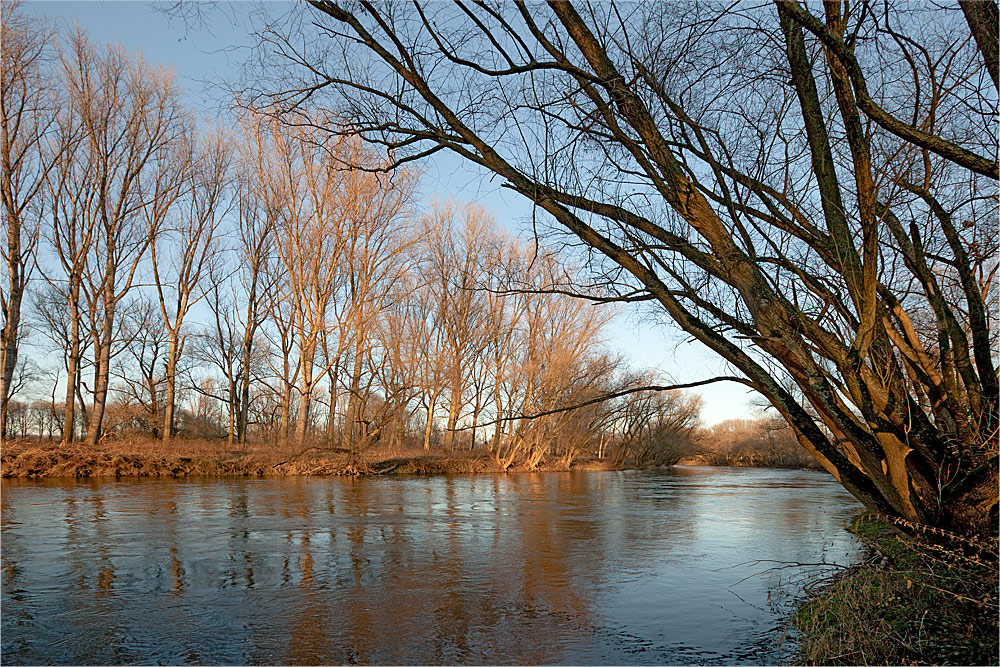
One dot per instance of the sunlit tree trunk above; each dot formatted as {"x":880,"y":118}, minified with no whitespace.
{"x":331,"y":416}
{"x":429,"y":426}
{"x":203,"y":165}
{"x":72,"y":367}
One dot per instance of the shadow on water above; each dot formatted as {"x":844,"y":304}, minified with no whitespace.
{"x":579,"y":568}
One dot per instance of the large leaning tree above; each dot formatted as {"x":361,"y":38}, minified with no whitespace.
{"x":808,"y":190}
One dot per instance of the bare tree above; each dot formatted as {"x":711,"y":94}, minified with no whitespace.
{"x":767,"y":441}
{"x":61,"y":325}
{"x":454,"y":271}
{"x":656,"y":428}
{"x":120,"y":171}
{"x":790,"y":187}
{"x":180,"y":277}
{"x":399,"y":369}
{"x":301,"y":186}
{"x":28,"y":106}
{"x":378,"y":230}
{"x":431,"y":371}
{"x":140,"y":369}
{"x":218,"y":347}
{"x":255,"y":223}
{"x":71,"y":236}
{"x":279,"y":306}
{"x":556,"y":334}
{"x":503,"y":308}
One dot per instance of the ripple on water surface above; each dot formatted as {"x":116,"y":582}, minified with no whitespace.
{"x":581,"y":568}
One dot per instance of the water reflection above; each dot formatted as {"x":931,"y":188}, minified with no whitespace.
{"x":582,"y":568}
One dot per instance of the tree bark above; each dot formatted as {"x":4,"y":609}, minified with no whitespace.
{"x":72,"y":379}
{"x":454,"y":407}
{"x":429,"y":426}
{"x":11,"y":330}
{"x":352,"y":418}
{"x":305,"y":395}
{"x":102,"y":376}
{"x":245,"y":361}
{"x":171,"y":381}
{"x":286,"y":407}
{"x":331,"y":415}
{"x":982,"y":17}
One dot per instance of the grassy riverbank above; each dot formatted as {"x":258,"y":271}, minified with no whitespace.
{"x":911,"y":601}
{"x":147,"y":457}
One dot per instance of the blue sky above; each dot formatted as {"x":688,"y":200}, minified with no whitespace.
{"x":203,"y":55}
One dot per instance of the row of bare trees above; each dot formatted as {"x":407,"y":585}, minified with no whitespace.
{"x":273,"y":283}
{"x":108,"y":184}
{"x":444,"y":332}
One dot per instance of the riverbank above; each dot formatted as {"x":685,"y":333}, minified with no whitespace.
{"x":752,"y":459}
{"x":146,"y":457}
{"x":911,"y":601}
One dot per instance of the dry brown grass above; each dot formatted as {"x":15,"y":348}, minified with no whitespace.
{"x":910,"y":602}
{"x":148,"y":457}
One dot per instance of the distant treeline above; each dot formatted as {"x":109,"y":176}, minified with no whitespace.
{"x":764,"y":442}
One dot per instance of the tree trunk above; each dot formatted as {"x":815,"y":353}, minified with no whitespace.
{"x":306,"y":360}
{"x":247,"y":352}
{"x":72,"y":369}
{"x":234,"y":410}
{"x":168,"y":408}
{"x":153,"y":407}
{"x":243,"y":408}
{"x":498,"y":427}
{"x":286,"y":407}
{"x":69,"y":407}
{"x":8,"y":346}
{"x":982,"y":16}
{"x":331,"y":417}
{"x":475,"y":420}
{"x":101,"y":377}
{"x":353,"y":399}
{"x":430,"y":421}
{"x":102,"y":350}
{"x":16,"y":278}
{"x":454,"y":406}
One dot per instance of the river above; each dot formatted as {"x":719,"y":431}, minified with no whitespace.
{"x":668,"y":567}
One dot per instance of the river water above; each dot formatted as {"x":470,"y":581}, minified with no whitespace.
{"x":667,"y":567}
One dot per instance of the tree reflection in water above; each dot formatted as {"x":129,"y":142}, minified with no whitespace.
{"x":599,"y":567}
